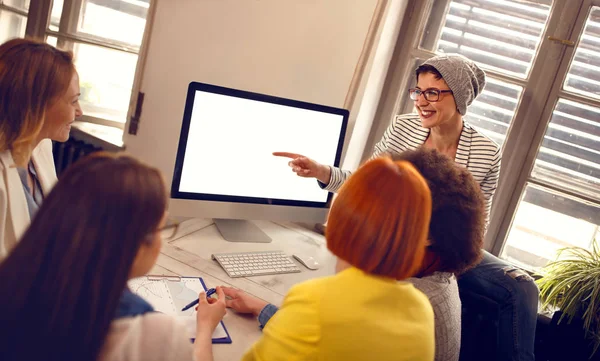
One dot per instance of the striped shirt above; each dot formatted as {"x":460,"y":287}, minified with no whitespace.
{"x":476,"y":152}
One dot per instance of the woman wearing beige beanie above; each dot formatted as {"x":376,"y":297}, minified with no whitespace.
{"x":446,"y":85}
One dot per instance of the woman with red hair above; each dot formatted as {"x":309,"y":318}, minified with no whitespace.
{"x":378,"y":229}
{"x":39,"y":100}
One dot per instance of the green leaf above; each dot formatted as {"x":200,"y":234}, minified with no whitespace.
{"x":572,"y":284}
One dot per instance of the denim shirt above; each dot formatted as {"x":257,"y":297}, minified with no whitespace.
{"x":131,"y":305}
{"x":265,"y":315}
{"x":33,"y":202}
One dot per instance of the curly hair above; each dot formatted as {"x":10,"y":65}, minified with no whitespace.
{"x":457,"y":222}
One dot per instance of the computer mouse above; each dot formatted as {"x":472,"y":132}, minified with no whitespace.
{"x":308,"y":262}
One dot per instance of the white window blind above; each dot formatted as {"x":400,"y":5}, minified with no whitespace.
{"x":502,"y":37}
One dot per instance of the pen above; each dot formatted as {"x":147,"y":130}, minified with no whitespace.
{"x":195,"y":302}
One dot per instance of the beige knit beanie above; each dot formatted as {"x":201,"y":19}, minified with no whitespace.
{"x":463,"y":76}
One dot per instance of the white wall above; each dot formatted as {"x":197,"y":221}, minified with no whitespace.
{"x":363,"y":117}
{"x":300,"y":49}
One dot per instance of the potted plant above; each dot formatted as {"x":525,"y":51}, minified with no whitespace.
{"x":571,"y":284}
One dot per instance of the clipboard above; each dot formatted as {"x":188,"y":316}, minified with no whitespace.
{"x":169,"y":294}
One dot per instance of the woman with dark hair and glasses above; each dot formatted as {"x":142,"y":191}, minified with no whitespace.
{"x":446,"y":85}
{"x":64,"y":286}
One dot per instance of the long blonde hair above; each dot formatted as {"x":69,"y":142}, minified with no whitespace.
{"x":33,"y":75}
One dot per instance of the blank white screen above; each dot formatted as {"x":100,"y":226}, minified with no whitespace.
{"x":231,"y":141}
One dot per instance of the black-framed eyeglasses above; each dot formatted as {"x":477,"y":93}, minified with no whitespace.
{"x":431,"y":94}
{"x":169,"y":231}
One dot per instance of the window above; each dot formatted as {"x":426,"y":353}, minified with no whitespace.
{"x":561,"y":203}
{"x":502,"y":37}
{"x":547,"y":221}
{"x":13,"y":19}
{"x":499,"y":35}
{"x":105,"y":37}
{"x":544,"y":110}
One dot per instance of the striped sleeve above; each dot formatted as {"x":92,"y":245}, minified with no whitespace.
{"x":490,"y":183}
{"x":339,"y":176}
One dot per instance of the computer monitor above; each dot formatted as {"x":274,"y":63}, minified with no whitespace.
{"x":225,"y":167}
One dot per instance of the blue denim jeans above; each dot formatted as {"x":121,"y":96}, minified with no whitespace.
{"x":517,"y":296}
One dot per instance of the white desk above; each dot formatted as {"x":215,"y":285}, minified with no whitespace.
{"x":189,"y":254}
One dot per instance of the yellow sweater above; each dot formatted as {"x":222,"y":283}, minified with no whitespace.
{"x":349,"y":316}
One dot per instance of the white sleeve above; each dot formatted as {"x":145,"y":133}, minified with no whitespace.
{"x":489,"y":184}
{"x":339,"y":176}
{"x":151,"y":337}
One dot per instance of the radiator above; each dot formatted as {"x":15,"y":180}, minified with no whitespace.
{"x":69,"y":152}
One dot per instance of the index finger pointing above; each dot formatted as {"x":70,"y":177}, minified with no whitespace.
{"x":287,"y":155}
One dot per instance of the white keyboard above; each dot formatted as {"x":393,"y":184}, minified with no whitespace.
{"x":255,"y":263}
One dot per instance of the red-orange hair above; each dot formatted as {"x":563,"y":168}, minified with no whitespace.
{"x":380,"y":219}
{"x":33,"y":75}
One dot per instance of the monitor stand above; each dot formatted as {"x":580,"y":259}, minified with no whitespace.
{"x":238,"y":230}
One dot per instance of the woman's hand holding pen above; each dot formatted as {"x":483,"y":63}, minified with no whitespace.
{"x":210,"y":311}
